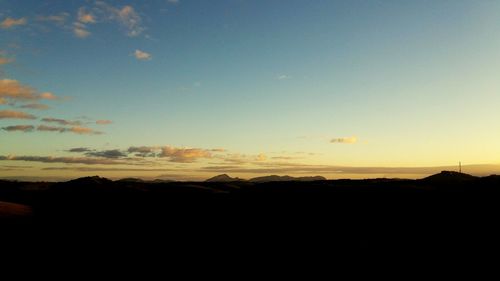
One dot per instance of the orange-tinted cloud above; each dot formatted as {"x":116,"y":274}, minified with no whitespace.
{"x":11,"y":22}
{"x":15,"y":91}
{"x":103,"y":122}
{"x":10,"y":114}
{"x":85,"y":17}
{"x":184,"y":155}
{"x":4,"y":60}
{"x":83,"y":131}
{"x":141,"y":55}
{"x":76,"y":129}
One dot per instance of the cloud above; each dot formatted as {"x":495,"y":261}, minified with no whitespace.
{"x":62,"y":121}
{"x":261,"y":157}
{"x":140,"y":55}
{"x":101,"y":169}
{"x":48,"y":96}
{"x":9,"y":114}
{"x":11,"y":22}
{"x":23,"y":128}
{"x":174,"y":154}
{"x":4,"y":60}
{"x":349,"y":140}
{"x":77,"y":130}
{"x":85,"y":17}
{"x":67,"y":160}
{"x":80,"y":30}
{"x":80,"y":26}
{"x":173,"y":1}
{"x":113,"y":153}
{"x":125,"y":16}
{"x":59,"y":19}
{"x":103,"y":122}
{"x":283,"y":77}
{"x":83,"y":131}
{"x":44,"y":128}
{"x":184,"y":155}
{"x":143,"y":151}
{"x":38,"y":106}
{"x":15,"y":91}
{"x":79,"y":149}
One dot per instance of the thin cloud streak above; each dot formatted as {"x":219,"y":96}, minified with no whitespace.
{"x":10,"y":114}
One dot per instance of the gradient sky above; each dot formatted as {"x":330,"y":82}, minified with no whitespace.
{"x":336,"y":88}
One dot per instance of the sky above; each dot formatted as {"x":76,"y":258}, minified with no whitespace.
{"x":187,"y":89}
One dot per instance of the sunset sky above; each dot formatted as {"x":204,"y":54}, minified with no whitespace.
{"x":186,"y":89}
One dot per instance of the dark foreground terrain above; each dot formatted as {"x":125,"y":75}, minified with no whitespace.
{"x":446,"y":214}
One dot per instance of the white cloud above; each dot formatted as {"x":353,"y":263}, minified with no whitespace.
{"x":141,"y":55}
{"x":283,"y":77}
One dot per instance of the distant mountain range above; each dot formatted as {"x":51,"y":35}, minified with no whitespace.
{"x":272,"y":178}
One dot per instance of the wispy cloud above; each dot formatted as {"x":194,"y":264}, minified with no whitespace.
{"x":67,"y":160}
{"x":38,"y":106}
{"x":80,"y":30}
{"x":79,"y":149}
{"x":103,"y":122}
{"x":4,"y":60}
{"x":141,"y":55}
{"x":173,"y":1}
{"x":22,"y":128}
{"x":174,"y":154}
{"x":10,"y":114}
{"x":85,"y":17}
{"x":12,"y":22}
{"x":184,"y":155}
{"x":113,"y":153}
{"x":76,"y":129}
{"x":61,"y":121}
{"x":283,"y":77}
{"x":126,"y":16}
{"x":15,"y":91}
{"x":59,"y":19}
{"x":348,"y":140}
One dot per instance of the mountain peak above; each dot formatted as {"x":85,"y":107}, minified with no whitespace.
{"x":222,"y":178}
{"x":450,"y":176}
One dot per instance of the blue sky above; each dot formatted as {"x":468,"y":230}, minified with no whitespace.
{"x":398,"y":83}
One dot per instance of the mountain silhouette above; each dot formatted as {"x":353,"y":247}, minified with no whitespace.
{"x":449,"y":176}
{"x":130,"y":180}
{"x":275,"y":178}
{"x":223,"y":178}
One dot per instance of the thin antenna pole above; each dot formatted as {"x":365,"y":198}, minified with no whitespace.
{"x":460,"y":167}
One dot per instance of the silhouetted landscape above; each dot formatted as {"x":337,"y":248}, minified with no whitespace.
{"x":446,"y":212}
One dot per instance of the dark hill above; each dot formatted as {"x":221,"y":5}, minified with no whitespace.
{"x":275,"y":178}
{"x":450,"y":177}
{"x":223,"y":178}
